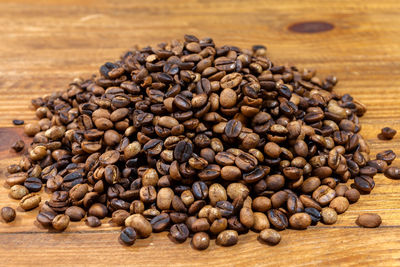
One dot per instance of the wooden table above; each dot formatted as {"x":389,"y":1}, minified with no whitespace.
{"x":45,"y":44}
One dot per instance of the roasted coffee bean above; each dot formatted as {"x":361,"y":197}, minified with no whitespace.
{"x":261,"y":204}
{"x":128,"y":236}
{"x":8,"y":214}
{"x":227,"y":238}
{"x":142,"y":226}
{"x":339,"y":204}
{"x":352,"y":195}
{"x":18,"y":146}
{"x":237,"y":190}
{"x":364,"y":183}
{"x":388,"y":156}
{"x":387,"y":133}
{"x":270,"y":237}
{"x":200,"y":190}
{"x":329,"y":216}
{"x":369,"y":220}
{"x":45,"y":218}
{"x":324,"y":194}
{"x":93,"y":221}
{"x":379,"y":165}
{"x":33,"y":184}
{"x":119,"y":217}
{"x":75,"y":213}
{"x":179,"y":232}
{"x":233,"y":128}
{"x":31,"y":129}
{"x":260,"y":221}
{"x":98,"y":210}
{"x":60,"y":222}
{"x":160,"y":222}
{"x":278,"y":219}
{"x":18,"y":122}
{"x":200,"y":241}
{"x":393,"y":173}
{"x":300,"y":220}
{"x":314,"y":214}
{"x":183,"y":151}
{"x":18,"y":191}
{"x":30,"y":201}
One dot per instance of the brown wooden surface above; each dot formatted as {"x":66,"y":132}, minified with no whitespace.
{"x":45,"y":44}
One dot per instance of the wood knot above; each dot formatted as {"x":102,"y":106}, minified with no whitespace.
{"x":311,"y":27}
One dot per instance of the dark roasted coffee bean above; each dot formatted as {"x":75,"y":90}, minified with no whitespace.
{"x":33,"y":184}
{"x":18,"y":145}
{"x":128,"y":236}
{"x":179,"y":232}
{"x":364,"y":183}
{"x":314,"y":214}
{"x":387,"y":133}
{"x":278,"y":219}
{"x":393,"y":173}
{"x":18,"y":122}
{"x":160,"y":222}
{"x":183,"y":151}
{"x":388,"y":156}
{"x":233,"y":128}
{"x":45,"y":218}
{"x":75,"y":213}
{"x":200,"y":190}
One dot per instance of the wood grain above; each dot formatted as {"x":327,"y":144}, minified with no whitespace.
{"x":45,"y":44}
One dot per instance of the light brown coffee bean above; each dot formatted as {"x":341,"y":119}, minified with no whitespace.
{"x":270,"y":237}
{"x":329,"y":216}
{"x":369,"y":220}
{"x":339,"y":204}
{"x":30,"y":201}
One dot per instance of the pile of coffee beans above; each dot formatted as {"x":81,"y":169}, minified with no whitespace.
{"x":201,"y":141}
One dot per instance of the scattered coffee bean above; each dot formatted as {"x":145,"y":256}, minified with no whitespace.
{"x":18,"y":146}
{"x":369,"y":220}
{"x":329,"y":216}
{"x":93,"y":221}
{"x":18,"y":191}
{"x":200,"y":241}
{"x":352,"y":195}
{"x":18,"y":122}
{"x":270,"y":237}
{"x":387,"y":133}
{"x":8,"y":214}
{"x":128,"y":236}
{"x":179,"y":232}
{"x":227,"y":238}
{"x":393,"y":173}
{"x":60,"y":222}
{"x":30,"y":201}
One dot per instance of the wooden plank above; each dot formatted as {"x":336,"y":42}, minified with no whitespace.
{"x":45,"y":44}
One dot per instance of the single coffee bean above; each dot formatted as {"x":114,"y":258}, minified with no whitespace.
{"x":393,"y":173}
{"x":128,"y":236}
{"x":179,"y":232}
{"x":300,"y":220}
{"x":270,"y":237}
{"x":260,"y":221}
{"x":227,"y":238}
{"x":8,"y":214}
{"x":119,"y":217}
{"x":387,"y":133}
{"x":18,"y":191}
{"x":352,"y":195}
{"x":364,"y":183}
{"x":93,"y":221}
{"x":369,"y":220}
{"x":261,"y":204}
{"x":339,"y":204}
{"x":18,"y":146}
{"x":60,"y":222}
{"x":329,"y":216}
{"x":324,"y":194}
{"x":278,"y":219}
{"x":75,"y":213}
{"x":30,"y":201}
{"x":200,"y":241}
{"x":33,"y":184}
{"x":160,"y":222}
{"x":18,"y":122}
{"x":98,"y":210}
{"x":31,"y":129}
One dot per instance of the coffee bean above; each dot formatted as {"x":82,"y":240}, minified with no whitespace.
{"x":98,"y":210}
{"x":200,"y":241}
{"x":179,"y":232}
{"x":369,"y":220}
{"x":314,"y":214}
{"x":228,"y":98}
{"x":364,"y":183}
{"x":329,"y":216}
{"x":352,"y":195}
{"x":45,"y":218}
{"x":75,"y":213}
{"x":18,"y":145}
{"x":33,"y":184}
{"x":200,"y":190}
{"x":392,"y":173}
{"x":30,"y":201}
{"x":260,"y":221}
{"x":278,"y":219}
{"x":142,"y":226}
{"x":237,"y":190}
{"x":339,"y":204}
{"x":93,"y":221}
{"x":31,"y":129}
{"x":160,"y":222}
{"x":128,"y":236}
{"x":60,"y":222}
{"x":227,"y":238}
{"x":18,"y":191}
{"x":300,"y":220}
{"x":270,"y":237}
{"x":8,"y":214}
{"x":233,"y":128}
{"x":387,"y":133}
{"x":18,"y":122}
{"x":261,"y":204}
{"x":324,"y":194}
{"x":388,"y":156}
{"x":183,"y":151}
